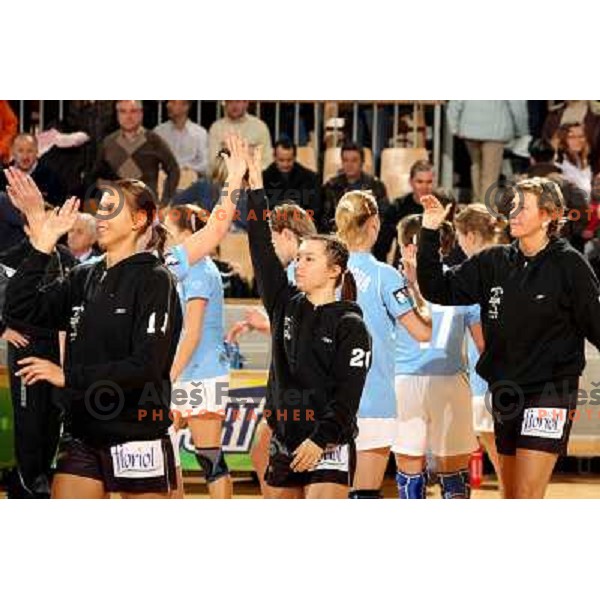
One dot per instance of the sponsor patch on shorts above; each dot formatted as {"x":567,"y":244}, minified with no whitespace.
{"x":138,"y":460}
{"x":544,"y":422}
{"x":334,"y":459}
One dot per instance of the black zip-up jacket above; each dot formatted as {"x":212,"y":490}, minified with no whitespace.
{"x":122,"y":325}
{"x":320,"y":354}
{"x":535,"y":311}
{"x":61,"y":263}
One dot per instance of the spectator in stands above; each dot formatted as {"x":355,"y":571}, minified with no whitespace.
{"x":25,"y":158}
{"x":576,"y":212}
{"x":238,"y":121}
{"x":133,"y":152}
{"x":541,"y":157}
{"x":351,"y":178}
{"x":82,"y":238}
{"x":286,"y":180}
{"x":187,"y":140}
{"x":95,"y":119}
{"x":486,"y":126}
{"x":11,"y":223}
{"x":421,"y":183}
{"x":8,"y":130}
{"x":586,"y":112}
{"x":572,"y":156}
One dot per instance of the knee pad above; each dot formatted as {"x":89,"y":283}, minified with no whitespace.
{"x":365,"y":495}
{"x":212,"y":463}
{"x":455,"y":485}
{"x":412,"y":487}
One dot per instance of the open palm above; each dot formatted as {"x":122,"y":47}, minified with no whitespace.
{"x":56,"y":224}
{"x":25,"y":194}
{"x":434,"y":214}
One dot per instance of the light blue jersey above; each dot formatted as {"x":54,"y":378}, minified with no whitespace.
{"x":202,"y":280}
{"x":479,"y":386}
{"x":444,"y":354}
{"x":383,"y":297}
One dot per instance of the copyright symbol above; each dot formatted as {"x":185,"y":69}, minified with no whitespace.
{"x":104,"y":400}
{"x":94,"y":195}
{"x":499,"y":200}
{"x":504,"y":400}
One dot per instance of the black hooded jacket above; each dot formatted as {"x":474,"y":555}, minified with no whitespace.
{"x":122,"y":325}
{"x":536,"y":312}
{"x":320,"y":354}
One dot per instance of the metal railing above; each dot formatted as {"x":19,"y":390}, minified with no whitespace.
{"x":441,"y":141}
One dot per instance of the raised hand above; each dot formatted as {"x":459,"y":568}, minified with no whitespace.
{"x":255,"y":168}
{"x":236,"y":161}
{"x":434,"y":213}
{"x":56,"y":224}
{"x":25,"y":195}
{"x":409,"y":263}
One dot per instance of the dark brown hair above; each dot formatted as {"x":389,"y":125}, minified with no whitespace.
{"x":188,"y":217}
{"x":563,"y":146}
{"x":140,"y":197}
{"x":337,"y":255}
{"x":409,"y":230}
{"x":293,"y":217}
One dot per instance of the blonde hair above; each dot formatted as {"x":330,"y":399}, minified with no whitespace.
{"x":477,"y":218}
{"x":352,"y":213}
{"x":549,"y":198}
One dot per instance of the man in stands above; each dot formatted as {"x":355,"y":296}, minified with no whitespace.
{"x":286,"y":180}
{"x":421,"y":184}
{"x":351,"y":178}
{"x":133,"y":152}
{"x":187,"y":140}
{"x":238,"y":121}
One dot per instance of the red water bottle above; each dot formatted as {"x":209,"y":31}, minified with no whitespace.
{"x":476,"y":468}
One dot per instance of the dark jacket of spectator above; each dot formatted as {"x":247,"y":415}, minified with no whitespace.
{"x":337,"y":186}
{"x":299,"y":186}
{"x":394,"y":213}
{"x":75,"y":165}
{"x":47,"y":180}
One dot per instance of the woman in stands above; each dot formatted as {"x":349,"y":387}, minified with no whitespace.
{"x":321,"y":352}
{"x":573,"y":156}
{"x":432,"y":390}
{"x":383,"y":298}
{"x":200,"y":371}
{"x":477,"y":230}
{"x":123,"y":318}
{"x":290,"y":224}
{"x":539,"y":302}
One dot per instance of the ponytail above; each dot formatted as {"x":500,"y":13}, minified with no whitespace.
{"x":158,"y":240}
{"x":348,"y":287}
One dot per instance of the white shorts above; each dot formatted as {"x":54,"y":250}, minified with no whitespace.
{"x":193,"y":398}
{"x":434,"y":413}
{"x":375,"y":433}
{"x":483,"y":422}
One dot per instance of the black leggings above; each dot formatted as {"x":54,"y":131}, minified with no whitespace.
{"x":37,"y":422}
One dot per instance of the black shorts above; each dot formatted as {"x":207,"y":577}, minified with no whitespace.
{"x":336,"y":466}
{"x":146,"y":467}
{"x":539,"y":421}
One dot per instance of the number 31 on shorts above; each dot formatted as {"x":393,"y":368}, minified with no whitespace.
{"x":360,"y":358}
